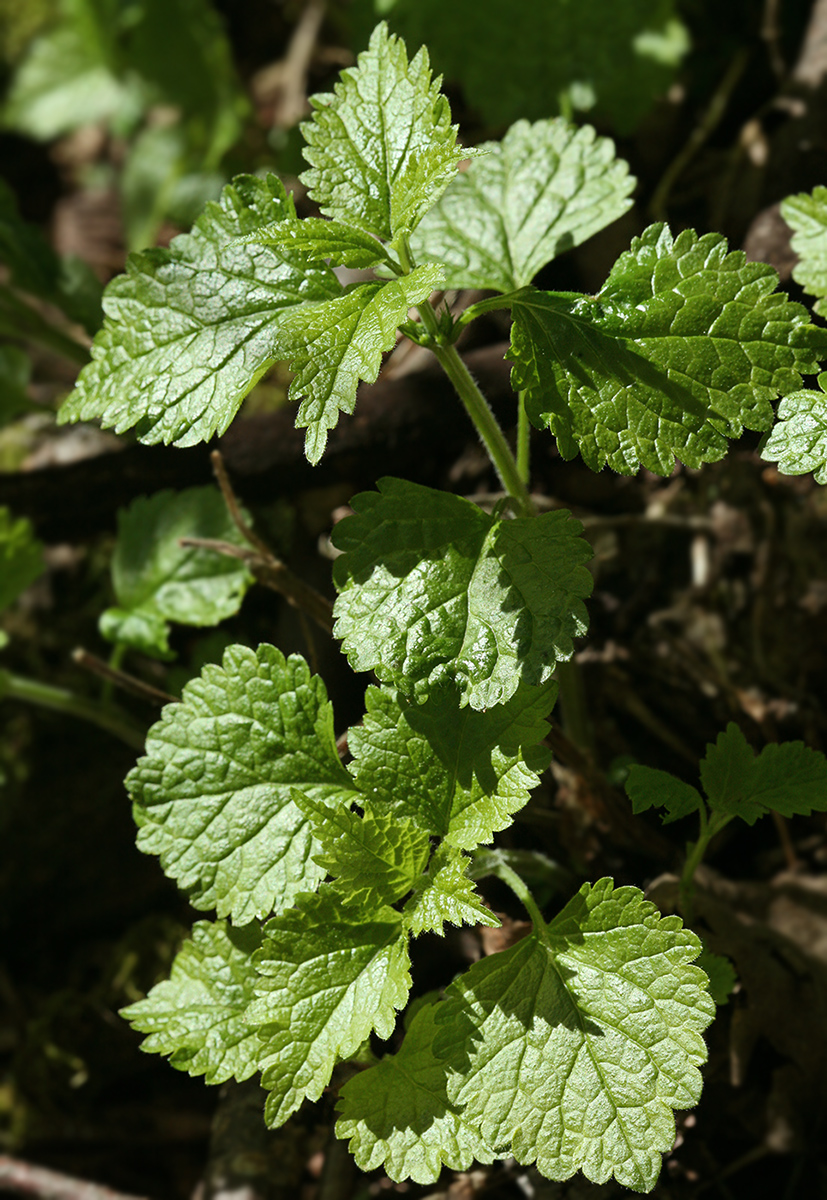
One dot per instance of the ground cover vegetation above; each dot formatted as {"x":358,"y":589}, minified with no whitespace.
{"x":328,"y":861}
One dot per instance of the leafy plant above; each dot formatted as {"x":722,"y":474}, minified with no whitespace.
{"x":572,"y":1048}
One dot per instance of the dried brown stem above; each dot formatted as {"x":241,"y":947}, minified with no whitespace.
{"x":28,"y":1180}
{"x":121,"y":679}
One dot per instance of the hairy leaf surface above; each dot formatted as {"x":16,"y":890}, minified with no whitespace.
{"x":545,"y":188}
{"x":21,"y":556}
{"x":446,"y":894}
{"x":374,"y":858}
{"x":806,"y":214}
{"x":397,"y":1113}
{"x":798,"y":440}
{"x":786,"y":777}
{"x":156,"y":580}
{"x":460,"y":774}
{"x":573,"y":1051}
{"x":381,"y":146}
{"x":213,"y":796}
{"x":197,"y":1016}
{"x":329,"y":976}
{"x":342,"y":245}
{"x":432,"y":588}
{"x":190,"y":330}
{"x":685,"y":346}
{"x":332,"y":346}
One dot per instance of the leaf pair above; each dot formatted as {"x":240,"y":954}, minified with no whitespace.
{"x":788,"y":778}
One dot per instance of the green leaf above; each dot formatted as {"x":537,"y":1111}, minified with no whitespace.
{"x":197,"y":1016}
{"x":787,"y":777}
{"x":330,"y":975}
{"x":572,"y":1048}
{"x":15,"y":369}
{"x":460,"y":774}
{"x":722,"y":976}
{"x":648,"y":788}
{"x":798,"y":440}
{"x":381,"y":146}
{"x":332,"y":346}
{"x":341,"y":244}
{"x":684,"y":347}
{"x":374,"y":859}
{"x":182,"y":378}
{"x":545,"y":188}
{"x":530,"y":60}
{"x":156,"y":580}
{"x":806,"y":214}
{"x":446,"y":894}
{"x":432,"y":587}
{"x":21,"y":557}
{"x":397,"y":1113}
{"x":213,"y":796}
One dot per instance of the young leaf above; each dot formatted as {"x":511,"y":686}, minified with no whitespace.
{"x":432,"y":587}
{"x":156,"y":580}
{"x":460,"y":774}
{"x":182,"y":379}
{"x":787,"y":777}
{"x":197,"y":1016}
{"x":684,"y":346}
{"x":798,"y":440}
{"x":573,"y":1047}
{"x":374,"y":859}
{"x":329,"y":975}
{"x":446,"y":894}
{"x":397,"y":1113}
{"x":722,"y":977}
{"x":341,"y":244}
{"x":332,"y":346}
{"x":806,"y":214}
{"x":648,"y":788}
{"x":381,"y":146}
{"x":545,"y":188}
{"x":213,"y":796}
{"x":21,"y":557}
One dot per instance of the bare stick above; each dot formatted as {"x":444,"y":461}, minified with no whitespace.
{"x":137,"y":687}
{"x":29,"y":1180}
{"x":234,"y":508}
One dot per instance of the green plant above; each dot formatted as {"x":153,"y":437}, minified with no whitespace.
{"x":573,"y":1047}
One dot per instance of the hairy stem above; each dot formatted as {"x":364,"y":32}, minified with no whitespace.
{"x":520,"y":889}
{"x":686,"y":892}
{"x":16,"y":687}
{"x":523,"y":440}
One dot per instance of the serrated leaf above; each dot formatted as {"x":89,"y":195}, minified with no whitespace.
{"x":648,"y":788}
{"x":787,"y":777}
{"x":181,"y":379}
{"x":460,"y":774}
{"x":21,"y":557}
{"x":381,"y":146}
{"x":331,"y":347}
{"x":722,"y":976}
{"x":213,"y":796}
{"x":197,"y":1016}
{"x":158,"y":581}
{"x":573,"y":1047}
{"x":685,"y":346}
{"x":374,"y":858}
{"x":341,"y":244}
{"x":545,"y":188}
{"x":446,"y":894}
{"x":397,"y":1113}
{"x":532,"y":59}
{"x":329,"y":976}
{"x":432,"y":588}
{"x":806,"y":214}
{"x":798,"y":440}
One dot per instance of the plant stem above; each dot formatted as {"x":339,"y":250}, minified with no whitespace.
{"x":523,"y":440}
{"x":17,"y":687}
{"x":520,"y":889}
{"x":486,"y":425}
{"x":686,"y":892}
